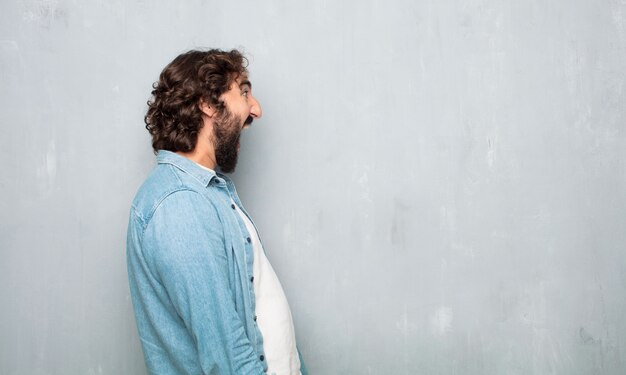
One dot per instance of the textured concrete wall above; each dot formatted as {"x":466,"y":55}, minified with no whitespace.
{"x":439,"y":184}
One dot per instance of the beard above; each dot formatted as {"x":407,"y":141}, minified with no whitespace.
{"x":226,"y":134}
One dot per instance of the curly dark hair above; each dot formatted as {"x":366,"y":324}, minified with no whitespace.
{"x":174,"y":117}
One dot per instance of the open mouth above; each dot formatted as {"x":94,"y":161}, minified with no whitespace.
{"x":248,"y":122}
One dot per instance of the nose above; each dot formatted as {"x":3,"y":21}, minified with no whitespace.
{"x":255,"y":108}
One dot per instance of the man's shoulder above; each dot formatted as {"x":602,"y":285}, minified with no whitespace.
{"x":164,"y":181}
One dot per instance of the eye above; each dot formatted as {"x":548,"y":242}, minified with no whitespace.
{"x":245,"y":92}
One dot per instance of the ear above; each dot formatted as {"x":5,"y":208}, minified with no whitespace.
{"x":206,"y":108}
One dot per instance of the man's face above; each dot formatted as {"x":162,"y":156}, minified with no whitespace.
{"x":240,"y":110}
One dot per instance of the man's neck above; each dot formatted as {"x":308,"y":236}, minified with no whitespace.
{"x":203,"y":153}
{"x":205,"y":159}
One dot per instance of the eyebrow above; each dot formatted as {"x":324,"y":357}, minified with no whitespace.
{"x":245,"y":82}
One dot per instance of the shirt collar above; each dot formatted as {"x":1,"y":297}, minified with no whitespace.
{"x":205,"y":176}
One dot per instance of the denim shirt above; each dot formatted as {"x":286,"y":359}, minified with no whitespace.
{"x":190,"y":272}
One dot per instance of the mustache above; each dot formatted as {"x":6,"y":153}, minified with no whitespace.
{"x":248,"y":120}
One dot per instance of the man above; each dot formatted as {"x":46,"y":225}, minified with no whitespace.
{"x":206,"y":299}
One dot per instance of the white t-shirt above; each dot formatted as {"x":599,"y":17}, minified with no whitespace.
{"x":272,"y":311}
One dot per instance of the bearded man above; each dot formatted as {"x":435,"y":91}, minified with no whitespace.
{"x":206,"y":298}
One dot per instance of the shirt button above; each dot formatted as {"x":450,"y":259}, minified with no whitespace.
{"x":255,"y":318}
{"x":232,"y":206}
{"x":249,"y":239}
{"x":262,"y":357}
{"x":252,"y":279}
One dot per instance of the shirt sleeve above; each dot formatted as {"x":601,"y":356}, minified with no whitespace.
{"x":190,"y":261}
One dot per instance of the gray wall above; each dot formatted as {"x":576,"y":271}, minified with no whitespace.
{"x":439,"y":184}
